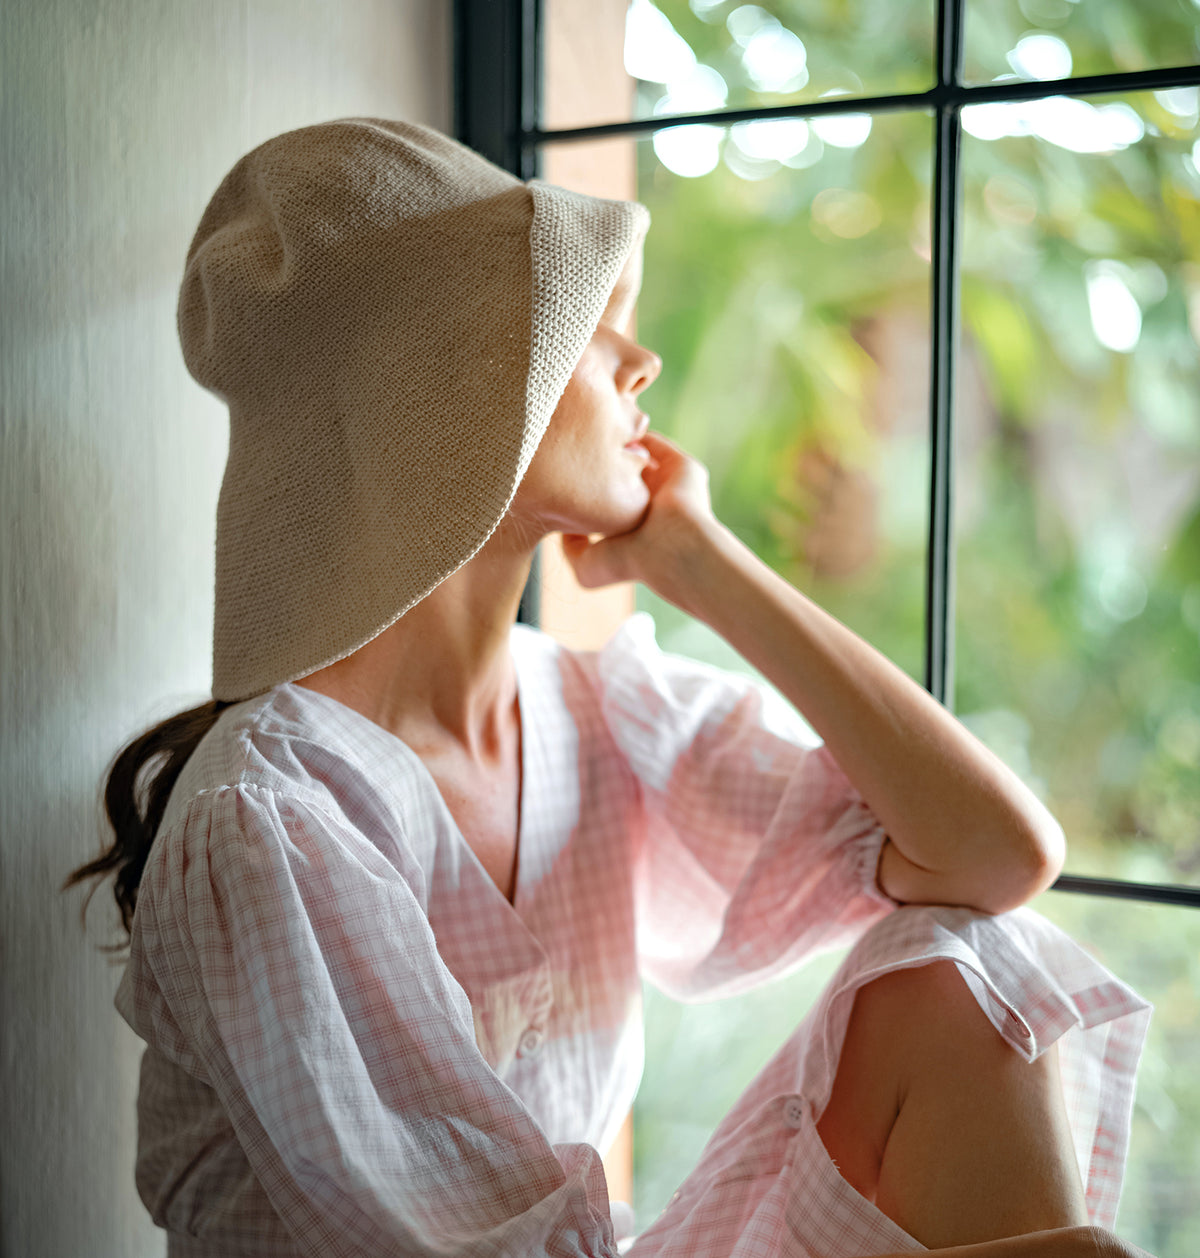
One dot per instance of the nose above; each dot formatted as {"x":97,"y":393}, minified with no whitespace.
{"x":639,"y":367}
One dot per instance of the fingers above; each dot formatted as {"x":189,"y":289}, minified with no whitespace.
{"x":1109,"y":1245}
{"x":666,"y":457}
{"x":656,"y":441}
{"x":674,"y":469}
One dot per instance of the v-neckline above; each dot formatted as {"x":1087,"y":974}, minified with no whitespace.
{"x":524,"y":778}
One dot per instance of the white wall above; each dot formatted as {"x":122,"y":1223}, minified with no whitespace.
{"x":119,"y":118}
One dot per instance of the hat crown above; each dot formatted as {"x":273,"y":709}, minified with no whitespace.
{"x":306,"y":205}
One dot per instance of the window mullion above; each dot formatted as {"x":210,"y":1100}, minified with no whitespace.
{"x":498,"y":80}
{"x":1121,"y":889}
{"x":939,"y":570}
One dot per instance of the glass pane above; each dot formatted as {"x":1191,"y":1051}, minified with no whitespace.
{"x":1052,"y":39}
{"x":1156,"y":950}
{"x":584,"y":79}
{"x":787,"y":290}
{"x":1078,"y":492}
{"x":693,"y":57}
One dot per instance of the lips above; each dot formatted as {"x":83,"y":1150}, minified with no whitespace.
{"x":640,"y":429}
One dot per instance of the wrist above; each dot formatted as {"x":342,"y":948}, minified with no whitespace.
{"x":693,"y":572}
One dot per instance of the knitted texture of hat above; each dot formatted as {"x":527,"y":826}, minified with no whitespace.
{"x":391,"y":320}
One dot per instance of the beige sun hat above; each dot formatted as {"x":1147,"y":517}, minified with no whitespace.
{"x":391,"y":320}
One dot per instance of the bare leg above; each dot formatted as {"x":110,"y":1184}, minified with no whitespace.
{"x":939,"y":1122}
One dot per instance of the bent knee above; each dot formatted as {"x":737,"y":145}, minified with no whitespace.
{"x":918,"y":1037}
{"x":923,"y":1020}
{"x":914,"y":997}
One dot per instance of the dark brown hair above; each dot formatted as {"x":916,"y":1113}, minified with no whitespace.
{"x":136,"y":790}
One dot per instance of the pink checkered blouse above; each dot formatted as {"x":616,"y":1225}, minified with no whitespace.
{"x":358,"y":1048}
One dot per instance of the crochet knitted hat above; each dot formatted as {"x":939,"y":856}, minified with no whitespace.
{"x":391,"y":320}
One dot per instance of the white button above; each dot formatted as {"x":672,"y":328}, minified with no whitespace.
{"x":795,"y":1111}
{"x":530,"y":1042}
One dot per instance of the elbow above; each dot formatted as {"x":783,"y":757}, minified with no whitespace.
{"x":1035,"y":850}
{"x":1050,"y":852}
{"x":996,"y":869}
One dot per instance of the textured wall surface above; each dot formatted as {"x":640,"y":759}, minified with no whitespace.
{"x":119,"y":118}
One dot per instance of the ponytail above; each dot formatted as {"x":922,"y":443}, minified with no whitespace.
{"x":135,"y":798}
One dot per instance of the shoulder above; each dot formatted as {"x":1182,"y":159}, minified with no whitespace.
{"x":631,"y":653}
{"x":292,"y":752}
{"x":563,"y":685}
{"x":292,"y":739}
{"x":660,"y":704}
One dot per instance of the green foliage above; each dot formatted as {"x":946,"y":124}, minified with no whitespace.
{"x":841,"y":38}
{"x":1103,"y":38}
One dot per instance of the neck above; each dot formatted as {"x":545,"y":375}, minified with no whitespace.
{"x":442,"y":677}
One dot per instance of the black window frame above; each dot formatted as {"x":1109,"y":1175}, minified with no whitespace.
{"x":497,"y":110}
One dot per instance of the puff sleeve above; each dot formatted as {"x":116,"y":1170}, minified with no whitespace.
{"x":757,"y":851}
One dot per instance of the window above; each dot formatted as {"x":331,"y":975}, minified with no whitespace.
{"x":926,"y":280}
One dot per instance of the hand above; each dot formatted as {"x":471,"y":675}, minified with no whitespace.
{"x":1109,"y":1245}
{"x":657,"y":552}
{"x":1066,"y":1242}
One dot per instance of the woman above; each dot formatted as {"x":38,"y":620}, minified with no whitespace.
{"x":395,"y":886}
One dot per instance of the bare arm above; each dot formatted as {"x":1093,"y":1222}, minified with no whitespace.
{"x":962,"y":828}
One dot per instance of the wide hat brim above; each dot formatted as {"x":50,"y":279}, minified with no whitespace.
{"x":392,"y":321}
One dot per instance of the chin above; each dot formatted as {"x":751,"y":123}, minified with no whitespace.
{"x":623,"y":516}
{"x":605,"y":509}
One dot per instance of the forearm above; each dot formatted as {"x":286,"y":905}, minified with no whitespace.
{"x":964,"y":827}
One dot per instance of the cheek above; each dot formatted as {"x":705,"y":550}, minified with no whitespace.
{"x":575,"y":432}
{"x":578,"y":401}
{"x":552,"y":471}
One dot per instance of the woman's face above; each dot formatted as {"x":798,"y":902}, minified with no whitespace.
{"x":586,"y":476}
